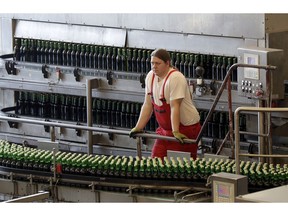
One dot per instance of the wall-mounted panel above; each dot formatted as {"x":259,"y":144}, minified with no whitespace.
{"x":71,"y":33}
{"x":228,"y":25}
{"x":184,"y":42}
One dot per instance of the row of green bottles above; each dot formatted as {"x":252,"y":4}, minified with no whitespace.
{"x":259,"y":174}
{"x":118,"y":59}
{"x":18,"y":156}
{"x":73,"y":108}
{"x":215,"y":67}
{"x":82,"y":55}
{"x":218,"y":125}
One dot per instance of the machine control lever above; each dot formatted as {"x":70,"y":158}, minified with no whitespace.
{"x":45,"y":71}
{"x":76,"y":73}
{"x":109,"y":77}
{"x":13,"y":124}
{"x":10,"y":67}
{"x":142,"y":80}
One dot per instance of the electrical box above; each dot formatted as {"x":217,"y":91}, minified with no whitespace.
{"x":226,"y":186}
{"x":253,"y":82}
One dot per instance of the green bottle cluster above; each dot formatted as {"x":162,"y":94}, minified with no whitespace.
{"x":73,"y":108}
{"x":259,"y":174}
{"x":218,"y":125}
{"x":118,"y":59}
{"x":82,"y":55}
{"x":18,"y":156}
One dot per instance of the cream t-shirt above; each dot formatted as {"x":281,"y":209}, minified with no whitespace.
{"x":176,"y":87}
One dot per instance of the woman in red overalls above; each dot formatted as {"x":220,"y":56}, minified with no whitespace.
{"x":168,"y":95}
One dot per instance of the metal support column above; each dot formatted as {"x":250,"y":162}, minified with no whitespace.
{"x":90,"y":84}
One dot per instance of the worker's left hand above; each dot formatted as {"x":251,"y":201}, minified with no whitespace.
{"x":179,"y":136}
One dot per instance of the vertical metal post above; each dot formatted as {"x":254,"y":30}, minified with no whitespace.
{"x":230,"y":116}
{"x":89,"y":115}
{"x":52,"y":134}
{"x":54,"y":165}
{"x":261,"y":130}
{"x":237,"y":139}
{"x":139,"y":150}
{"x":90,"y":84}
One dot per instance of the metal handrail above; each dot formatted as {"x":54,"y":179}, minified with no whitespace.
{"x":88,"y":128}
{"x":237,"y":132}
{"x":220,"y":91}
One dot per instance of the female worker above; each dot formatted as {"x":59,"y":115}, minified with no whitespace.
{"x":168,"y":95}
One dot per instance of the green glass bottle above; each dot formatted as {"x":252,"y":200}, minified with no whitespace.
{"x":234,"y":72}
{"x":64,"y":54}
{"x":87,"y":61}
{"x":177,"y":61}
{"x":136,"y":166}
{"x":112,"y":166}
{"x":214,"y":68}
{"x":195,"y":65}
{"x":181,"y":63}
{"x":190,"y":66}
{"x":123,"y":60}
{"x":104,"y":58}
{"x":77,"y":55}
{"x":82,"y":60}
{"x":99,"y":58}
{"x":138,"y":61}
{"x":124,"y":165}
{"x":95,"y":57}
{"x":142,"y":169}
{"x":68,"y":53}
{"x":16,"y":49}
{"x":185,"y":66}
{"x":91,"y":56}
{"x":59,"y":59}
{"x":42,"y":52}
{"x":109,"y":58}
{"x":148,"y":61}
{"x":143,"y":62}
{"x":113,"y":59}
{"x":117,"y":167}
{"x":218,"y":68}
{"x":129,"y":60}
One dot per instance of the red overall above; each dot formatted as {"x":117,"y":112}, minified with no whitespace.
{"x":163,"y":117}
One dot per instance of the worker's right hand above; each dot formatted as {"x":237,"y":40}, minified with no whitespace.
{"x":134,"y":131}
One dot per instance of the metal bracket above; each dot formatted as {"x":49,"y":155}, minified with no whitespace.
{"x":144,"y":140}
{"x":142,"y":80}
{"x":45,"y":71}
{"x":212,"y":87}
{"x":78,"y":131}
{"x":111,"y":135}
{"x":10,"y":67}
{"x":11,"y":123}
{"x":76,"y":73}
{"x":109,"y":77}
{"x":46,"y":127}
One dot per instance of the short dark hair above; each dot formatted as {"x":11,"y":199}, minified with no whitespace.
{"x":161,"y":54}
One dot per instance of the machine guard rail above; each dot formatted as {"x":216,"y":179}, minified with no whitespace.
{"x":237,"y":133}
{"x":227,"y":81}
{"x":88,"y":128}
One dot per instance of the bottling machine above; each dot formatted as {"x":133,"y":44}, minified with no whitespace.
{"x":72,"y":86}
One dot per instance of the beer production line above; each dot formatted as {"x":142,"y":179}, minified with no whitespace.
{"x":72,"y":86}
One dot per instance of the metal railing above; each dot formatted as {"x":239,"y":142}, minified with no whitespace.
{"x":91,"y":128}
{"x":237,"y":133}
{"x":227,"y":80}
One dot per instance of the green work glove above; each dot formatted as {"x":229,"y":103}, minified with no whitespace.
{"x":179,"y":136}
{"x":134,"y":131}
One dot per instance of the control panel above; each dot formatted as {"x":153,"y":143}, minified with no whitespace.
{"x":226,"y":186}
{"x":253,"y":82}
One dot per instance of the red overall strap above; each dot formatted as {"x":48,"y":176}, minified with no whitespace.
{"x":163,"y":86}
